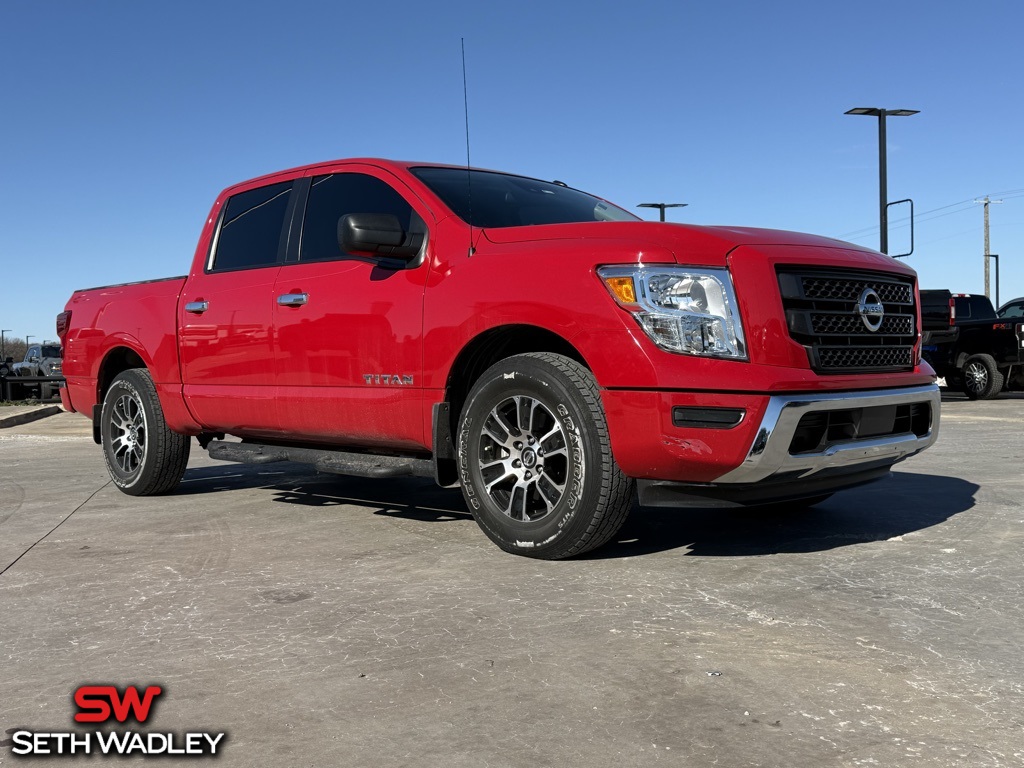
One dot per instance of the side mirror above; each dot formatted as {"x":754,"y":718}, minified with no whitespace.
{"x":33,"y":359}
{"x":379,"y":234}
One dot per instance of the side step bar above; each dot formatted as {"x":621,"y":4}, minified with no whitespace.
{"x":337,"y":462}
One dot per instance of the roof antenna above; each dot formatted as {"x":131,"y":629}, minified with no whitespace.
{"x":469,"y":175}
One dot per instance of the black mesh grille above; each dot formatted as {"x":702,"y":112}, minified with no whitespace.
{"x":824,"y":314}
{"x":848,"y":289}
{"x":865,"y":357}
{"x":825,"y":324}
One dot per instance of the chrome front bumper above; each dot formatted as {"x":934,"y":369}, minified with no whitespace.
{"x":769,"y":455}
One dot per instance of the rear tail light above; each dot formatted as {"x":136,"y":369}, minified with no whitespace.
{"x":63,"y":323}
{"x":952,"y":313}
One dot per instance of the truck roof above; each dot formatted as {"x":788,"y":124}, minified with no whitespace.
{"x":732,"y":234}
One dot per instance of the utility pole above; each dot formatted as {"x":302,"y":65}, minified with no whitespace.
{"x":3,"y":344}
{"x":985,"y":201}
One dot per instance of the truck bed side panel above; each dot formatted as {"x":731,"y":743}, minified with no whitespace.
{"x":138,"y":317}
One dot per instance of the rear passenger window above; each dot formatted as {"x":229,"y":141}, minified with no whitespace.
{"x":251,"y":231}
{"x":334,"y":196}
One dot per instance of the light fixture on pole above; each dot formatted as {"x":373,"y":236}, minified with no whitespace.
{"x":883,"y":192}
{"x":662,"y":206}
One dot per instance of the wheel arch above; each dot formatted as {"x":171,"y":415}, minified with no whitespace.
{"x":479,"y":354}
{"x":117,"y":360}
{"x":495,"y":344}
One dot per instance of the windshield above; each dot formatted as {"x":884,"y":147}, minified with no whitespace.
{"x":493,"y":200}
{"x":51,"y":351}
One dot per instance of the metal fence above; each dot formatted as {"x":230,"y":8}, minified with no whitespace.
{"x":14,"y":387}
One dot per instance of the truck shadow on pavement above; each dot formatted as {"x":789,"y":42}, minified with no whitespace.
{"x":413,"y":498}
{"x":887,"y":509}
{"x":890,"y":508}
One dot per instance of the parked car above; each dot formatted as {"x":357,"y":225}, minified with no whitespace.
{"x":44,"y":359}
{"x":969,"y":345}
{"x":548,"y":351}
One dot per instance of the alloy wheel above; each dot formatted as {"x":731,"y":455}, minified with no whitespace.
{"x":525,"y":459}
{"x":128,"y":433}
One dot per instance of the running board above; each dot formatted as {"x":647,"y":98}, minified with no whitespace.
{"x":337,"y":462}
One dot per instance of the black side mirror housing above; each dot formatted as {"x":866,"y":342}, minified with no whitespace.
{"x":379,"y":234}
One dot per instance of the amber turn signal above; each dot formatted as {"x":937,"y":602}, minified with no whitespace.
{"x":622,"y":289}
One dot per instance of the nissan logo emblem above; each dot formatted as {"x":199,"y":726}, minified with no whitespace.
{"x":871,"y":309}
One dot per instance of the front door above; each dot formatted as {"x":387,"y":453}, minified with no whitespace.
{"x":349,"y":329}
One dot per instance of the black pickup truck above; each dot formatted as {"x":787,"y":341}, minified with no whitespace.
{"x":969,"y":345}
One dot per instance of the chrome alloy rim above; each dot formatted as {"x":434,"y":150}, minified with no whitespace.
{"x":977,"y":377}
{"x":128,"y":433}
{"x":524,"y":458}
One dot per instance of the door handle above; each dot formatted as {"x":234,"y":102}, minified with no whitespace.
{"x":197,"y":307}
{"x":292,"y":299}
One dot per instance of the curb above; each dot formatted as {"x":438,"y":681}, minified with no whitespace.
{"x":27,"y":416}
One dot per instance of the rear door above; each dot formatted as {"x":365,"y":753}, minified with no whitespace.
{"x":225,"y":314}
{"x":349,"y":327}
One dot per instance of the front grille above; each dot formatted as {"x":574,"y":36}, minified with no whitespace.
{"x":849,"y":289}
{"x":828,"y":324}
{"x":865,"y":357}
{"x":822,"y":313}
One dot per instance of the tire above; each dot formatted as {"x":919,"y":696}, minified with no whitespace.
{"x":548,"y":507}
{"x":981,"y":378}
{"x":143,"y":456}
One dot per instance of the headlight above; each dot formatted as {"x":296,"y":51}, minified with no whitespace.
{"x":691,"y":311}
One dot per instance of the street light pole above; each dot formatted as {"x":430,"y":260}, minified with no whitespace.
{"x":3,"y":344}
{"x":883,"y":185}
{"x":26,"y":342}
{"x":662,"y":206}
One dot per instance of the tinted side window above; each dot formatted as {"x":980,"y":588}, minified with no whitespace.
{"x":1012,"y":310}
{"x":334,"y":196}
{"x":251,"y":230}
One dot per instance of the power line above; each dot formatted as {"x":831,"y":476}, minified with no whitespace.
{"x":905,"y":221}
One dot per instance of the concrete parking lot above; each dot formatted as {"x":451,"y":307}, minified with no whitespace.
{"x":325,"y":621}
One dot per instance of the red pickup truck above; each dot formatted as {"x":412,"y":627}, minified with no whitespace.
{"x":546,"y":350}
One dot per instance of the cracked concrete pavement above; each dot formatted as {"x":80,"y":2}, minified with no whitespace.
{"x":322,"y":620}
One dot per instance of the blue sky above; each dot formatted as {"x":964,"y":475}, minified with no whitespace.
{"x":122,"y":120}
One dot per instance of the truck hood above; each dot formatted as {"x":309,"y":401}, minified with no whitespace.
{"x":688,"y":243}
